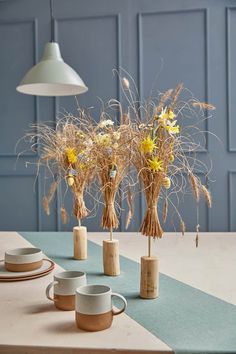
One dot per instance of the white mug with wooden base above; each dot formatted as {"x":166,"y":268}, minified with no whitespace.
{"x":65,"y":284}
{"x":93,"y":307}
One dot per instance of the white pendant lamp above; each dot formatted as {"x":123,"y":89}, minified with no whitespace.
{"x":52,"y":76}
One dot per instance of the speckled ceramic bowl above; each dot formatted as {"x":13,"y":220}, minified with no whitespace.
{"x":23,"y":259}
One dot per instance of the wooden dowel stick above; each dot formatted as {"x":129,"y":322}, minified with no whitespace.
{"x":79,"y":222}
{"x":111,"y":236}
{"x":149,"y":246}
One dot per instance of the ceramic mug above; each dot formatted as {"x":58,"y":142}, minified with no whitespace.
{"x":93,"y":307}
{"x":65,"y":284}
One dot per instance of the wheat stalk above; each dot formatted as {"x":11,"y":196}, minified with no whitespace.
{"x":195,"y":186}
{"x":64,"y":215}
{"x":207,"y":196}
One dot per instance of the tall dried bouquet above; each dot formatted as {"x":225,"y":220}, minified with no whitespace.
{"x":161,"y":154}
{"x":66,"y":152}
{"x":112,"y":154}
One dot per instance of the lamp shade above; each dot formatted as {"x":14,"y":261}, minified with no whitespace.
{"x":52,"y":76}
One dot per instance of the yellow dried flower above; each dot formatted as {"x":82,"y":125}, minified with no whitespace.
{"x":116,"y":135}
{"x":164,"y":114}
{"x":171,"y":114}
{"x":172,"y":129}
{"x":79,"y":134}
{"x":104,"y":139}
{"x":155,"y":164}
{"x":171,"y":158}
{"x":147,"y":145}
{"x":71,"y":155}
{"x":82,"y":165}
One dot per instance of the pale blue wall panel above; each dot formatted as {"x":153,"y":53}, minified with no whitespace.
{"x":18,"y":203}
{"x":160,"y":42}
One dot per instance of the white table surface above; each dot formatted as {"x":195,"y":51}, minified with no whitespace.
{"x":29,"y":323}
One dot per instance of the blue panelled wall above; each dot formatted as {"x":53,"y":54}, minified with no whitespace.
{"x":159,"y":42}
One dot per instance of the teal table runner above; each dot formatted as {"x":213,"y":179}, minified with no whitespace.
{"x":186,"y":319}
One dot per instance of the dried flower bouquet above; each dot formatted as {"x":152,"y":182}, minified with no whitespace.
{"x":112,"y":154}
{"x":66,"y":152}
{"x":162,"y":151}
{"x":151,"y":137}
{"x":111,"y":148}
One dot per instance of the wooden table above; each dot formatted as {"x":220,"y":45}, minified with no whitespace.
{"x":29,"y":323}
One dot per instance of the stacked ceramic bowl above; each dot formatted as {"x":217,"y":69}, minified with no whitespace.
{"x":23,"y":259}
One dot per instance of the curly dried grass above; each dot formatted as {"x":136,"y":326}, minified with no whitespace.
{"x":54,"y":141}
{"x":109,"y":186}
{"x":166,"y":145}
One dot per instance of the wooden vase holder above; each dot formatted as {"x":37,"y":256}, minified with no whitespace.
{"x":80,"y":242}
{"x":111,"y":259}
{"x":149,"y":279}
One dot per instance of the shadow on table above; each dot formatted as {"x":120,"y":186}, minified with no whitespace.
{"x":40,"y":308}
{"x":63,"y":327}
{"x":95,"y":274}
{"x":61,"y":257}
{"x":131,"y":295}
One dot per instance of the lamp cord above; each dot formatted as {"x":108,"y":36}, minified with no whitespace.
{"x":52,"y":23}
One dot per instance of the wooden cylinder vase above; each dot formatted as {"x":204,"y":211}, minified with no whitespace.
{"x":111,"y":258}
{"x":80,"y":242}
{"x":149,"y":279}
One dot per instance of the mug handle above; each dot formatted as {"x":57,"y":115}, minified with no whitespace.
{"x":49,"y":288}
{"x":124,"y":301}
